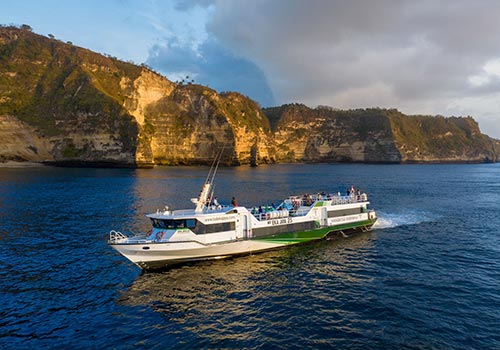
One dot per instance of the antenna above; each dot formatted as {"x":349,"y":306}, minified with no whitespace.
{"x":207,"y":189}
{"x":218,"y":162}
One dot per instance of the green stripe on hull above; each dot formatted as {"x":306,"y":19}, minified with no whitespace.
{"x":311,"y":235}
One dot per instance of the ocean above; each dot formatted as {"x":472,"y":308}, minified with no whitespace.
{"x":426,"y":277}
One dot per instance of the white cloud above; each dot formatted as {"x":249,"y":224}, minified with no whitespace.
{"x":490,"y":72}
{"x":420,"y":57}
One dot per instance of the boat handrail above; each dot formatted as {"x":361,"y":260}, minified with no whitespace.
{"x":191,"y":212}
{"x":309,"y":200}
{"x":300,"y":206}
{"x":116,"y":236}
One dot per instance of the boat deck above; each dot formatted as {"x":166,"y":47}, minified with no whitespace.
{"x":293,"y":206}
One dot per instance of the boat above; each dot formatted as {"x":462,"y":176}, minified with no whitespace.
{"x":213,"y":231}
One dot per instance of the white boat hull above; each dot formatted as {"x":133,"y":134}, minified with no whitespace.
{"x":153,"y":255}
{"x":163,"y":254}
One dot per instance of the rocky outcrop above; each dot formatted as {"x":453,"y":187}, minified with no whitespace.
{"x":376,"y":135}
{"x":19,"y":142}
{"x":92,"y":109}
{"x":439,"y":139}
{"x":61,"y":104}
{"x":327,"y":135}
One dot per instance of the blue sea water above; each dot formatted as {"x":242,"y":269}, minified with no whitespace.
{"x":426,"y":277}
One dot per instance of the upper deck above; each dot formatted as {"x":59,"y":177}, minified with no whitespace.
{"x":292,"y":206}
{"x":301,"y":205}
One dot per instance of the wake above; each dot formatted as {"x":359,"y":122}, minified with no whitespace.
{"x":401,"y":219}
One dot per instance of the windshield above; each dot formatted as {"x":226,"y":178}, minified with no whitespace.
{"x":173,"y":224}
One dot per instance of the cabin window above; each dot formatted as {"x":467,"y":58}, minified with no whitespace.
{"x":201,"y":229}
{"x":173,"y":224}
{"x":193,"y":224}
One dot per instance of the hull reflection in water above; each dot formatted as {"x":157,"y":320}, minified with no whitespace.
{"x":236,"y":298}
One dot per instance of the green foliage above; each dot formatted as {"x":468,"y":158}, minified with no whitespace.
{"x":244,"y":112}
{"x":70,"y":151}
{"x":57,"y":87}
{"x":419,"y":137}
{"x":444,"y":137}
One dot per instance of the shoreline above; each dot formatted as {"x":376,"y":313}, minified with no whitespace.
{"x":14,"y":164}
{"x":112,"y":165}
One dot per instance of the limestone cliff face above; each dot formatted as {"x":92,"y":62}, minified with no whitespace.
{"x":376,"y":135}
{"x":92,"y":109}
{"x":19,"y":142}
{"x":66,"y":105}
{"x":327,"y":135}
{"x":439,"y":139}
{"x":189,"y":124}
{"x":69,"y":98}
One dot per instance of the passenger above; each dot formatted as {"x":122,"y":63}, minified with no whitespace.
{"x":234,"y":203}
{"x":216,"y":203}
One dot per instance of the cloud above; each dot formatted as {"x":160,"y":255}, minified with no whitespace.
{"x":419,"y":56}
{"x":211,"y":64}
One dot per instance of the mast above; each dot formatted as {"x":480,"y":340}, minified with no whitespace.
{"x":207,"y":188}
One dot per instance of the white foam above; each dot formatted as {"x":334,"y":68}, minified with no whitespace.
{"x":400,"y":219}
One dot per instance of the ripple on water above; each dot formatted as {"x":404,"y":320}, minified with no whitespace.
{"x":426,"y":277}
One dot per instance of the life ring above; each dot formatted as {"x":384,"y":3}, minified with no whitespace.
{"x":160,"y":235}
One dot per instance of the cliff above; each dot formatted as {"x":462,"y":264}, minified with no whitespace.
{"x":377,"y":135}
{"x":62,"y":104}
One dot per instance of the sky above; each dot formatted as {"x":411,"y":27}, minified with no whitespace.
{"x":421,"y":57}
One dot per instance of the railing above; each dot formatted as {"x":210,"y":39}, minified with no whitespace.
{"x":292,"y":206}
{"x":301,"y":205}
{"x":191,"y":212}
{"x":309,"y":200}
{"x":116,"y":236}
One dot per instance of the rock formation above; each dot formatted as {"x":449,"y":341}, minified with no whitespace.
{"x":376,"y":135}
{"x":62,"y":104}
